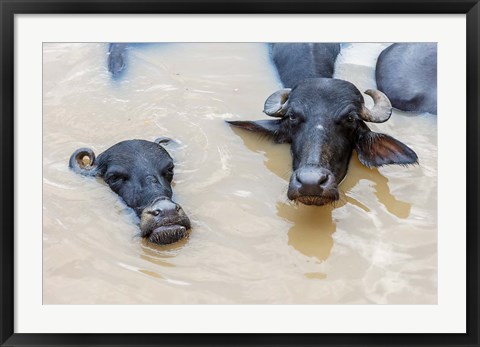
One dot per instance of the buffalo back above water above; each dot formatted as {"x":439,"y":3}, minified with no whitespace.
{"x":407,"y":74}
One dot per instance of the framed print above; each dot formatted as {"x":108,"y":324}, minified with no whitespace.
{"x":242,"y":173}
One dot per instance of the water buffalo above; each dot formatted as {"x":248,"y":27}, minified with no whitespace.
{"x":407,"y":74}
{"x":140,"y":172}
{"x":117,"y":56}
{"x":324,"y":119}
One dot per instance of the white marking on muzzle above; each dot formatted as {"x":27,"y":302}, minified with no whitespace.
{"x":320,"y":127}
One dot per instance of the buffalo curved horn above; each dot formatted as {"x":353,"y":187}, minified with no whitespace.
{"x":77,"y":162}
{"x":276,"y":104}
{"x":382,"y":108}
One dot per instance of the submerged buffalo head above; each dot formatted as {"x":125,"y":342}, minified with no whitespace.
{"x":324,"y":120}
{"x":140,"y":172}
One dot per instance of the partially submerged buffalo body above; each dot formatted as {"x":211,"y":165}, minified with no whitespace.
{"x":324,"y":119}
{"x":140,"y":172}
{"x":407,"y":74}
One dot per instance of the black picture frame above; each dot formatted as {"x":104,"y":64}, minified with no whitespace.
{"x":9,"y":8}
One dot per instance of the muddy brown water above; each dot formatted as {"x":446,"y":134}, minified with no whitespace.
{"x":249,"y":244}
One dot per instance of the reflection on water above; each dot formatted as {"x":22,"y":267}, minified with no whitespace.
{"x":395,"y":206}
{"x":312,"y":229}
{"x":248,"y":243}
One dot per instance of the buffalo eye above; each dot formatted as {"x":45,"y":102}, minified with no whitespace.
{"x":294,"y":118}
{"x":351,"y":118}
{"x":115,"y":178}
{"x":169,"y":172}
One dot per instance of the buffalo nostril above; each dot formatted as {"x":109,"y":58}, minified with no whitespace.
{"x":323,"y":179}
{"x":166,"y":207}
{"x":163,"y":208}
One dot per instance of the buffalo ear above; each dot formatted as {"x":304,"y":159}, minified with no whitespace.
{"x":375,"y":149}
{"x":163,"y":140}
{"x":267,"y":127}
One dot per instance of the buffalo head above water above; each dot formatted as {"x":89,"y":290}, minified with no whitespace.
{"x":140,"y":172}
{"x":324,"y":119}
